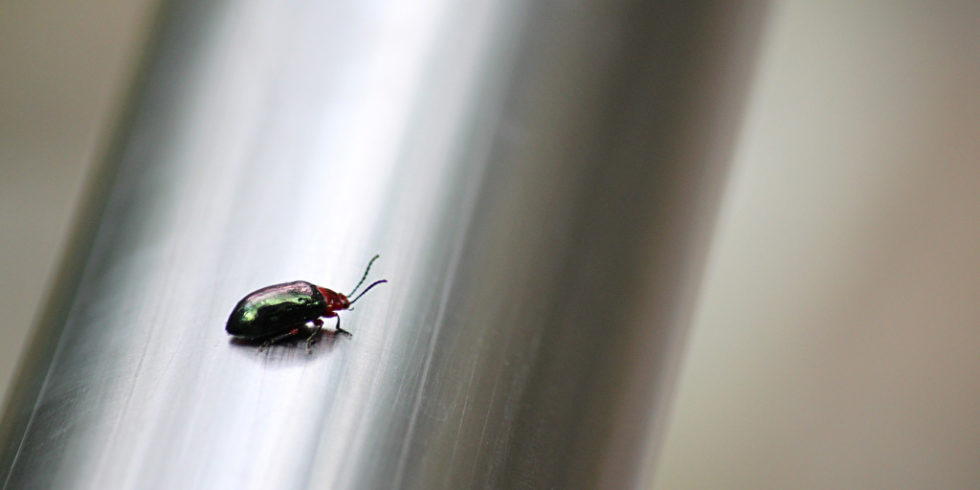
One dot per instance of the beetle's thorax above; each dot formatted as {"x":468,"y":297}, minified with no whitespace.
{"x":335,"y":301}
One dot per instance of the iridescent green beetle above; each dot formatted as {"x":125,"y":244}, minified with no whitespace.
{"x":281,"y":311}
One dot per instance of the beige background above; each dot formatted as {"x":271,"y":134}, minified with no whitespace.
{"x":64,"y":70}
{"x":837,"y":343}
{"x":837,"y":340}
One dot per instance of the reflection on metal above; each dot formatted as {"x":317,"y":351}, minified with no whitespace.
{"x":539,"y":180}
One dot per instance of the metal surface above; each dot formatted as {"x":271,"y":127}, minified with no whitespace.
{"x":539,"y":181}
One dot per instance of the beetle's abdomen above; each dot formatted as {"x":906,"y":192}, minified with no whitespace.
{"x":275,"y":310}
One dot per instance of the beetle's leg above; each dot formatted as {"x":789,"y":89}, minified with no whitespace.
{"x":340,"y":330}
{"x":318,"y":325}
{"x":278,"y":338}
{"x":316,"y":331}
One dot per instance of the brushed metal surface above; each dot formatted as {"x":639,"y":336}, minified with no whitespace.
{"x":539,"y":180}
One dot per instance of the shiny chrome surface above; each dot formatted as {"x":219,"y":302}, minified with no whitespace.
{"x":539,"y":181}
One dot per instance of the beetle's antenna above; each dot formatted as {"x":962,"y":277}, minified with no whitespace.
{"x":373,"y":284}
{"x":365,"y":275}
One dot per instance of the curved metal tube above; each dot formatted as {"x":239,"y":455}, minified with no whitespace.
{"x":540,"y":182}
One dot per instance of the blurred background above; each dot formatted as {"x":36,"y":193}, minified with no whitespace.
{"x":836,"y":342}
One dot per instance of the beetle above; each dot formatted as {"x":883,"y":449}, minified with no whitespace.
{"x":275,"y":313}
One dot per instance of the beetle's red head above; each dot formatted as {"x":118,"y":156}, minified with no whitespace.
{"x":335,"y":301}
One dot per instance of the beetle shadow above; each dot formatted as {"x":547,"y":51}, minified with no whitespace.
{"x":292,"y":350}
